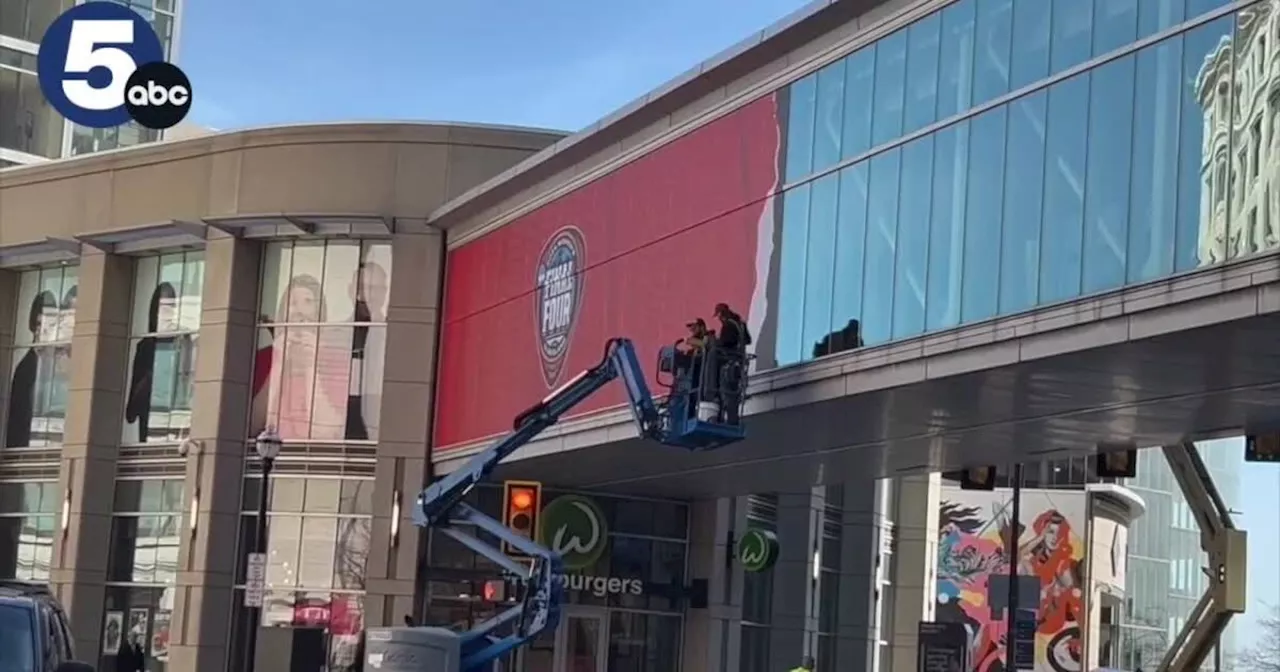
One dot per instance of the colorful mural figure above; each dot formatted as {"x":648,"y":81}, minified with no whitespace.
{"x":974,"y":533}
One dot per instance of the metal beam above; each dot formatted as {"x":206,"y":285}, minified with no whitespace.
{"x":1226,"y":547}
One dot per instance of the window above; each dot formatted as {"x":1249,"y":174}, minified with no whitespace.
{"x":142,"y":567}
{"x":28,"y":513}
{"x":318,"y":534}
{"x":29,"y":124}
{"x":16,"y":638}
{"x":41,"y":357}
{"x":639,"y":642}
{"x":164,"y":331}
{"x":322,"y":340}
{"x":28,"y":19}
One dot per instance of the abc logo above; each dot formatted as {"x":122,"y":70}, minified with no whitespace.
{"x":101,"y":65}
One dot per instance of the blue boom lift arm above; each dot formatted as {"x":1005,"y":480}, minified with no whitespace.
{"x":441,"y":505}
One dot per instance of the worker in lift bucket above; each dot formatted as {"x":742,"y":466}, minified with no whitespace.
{"x":691,"y":353}
{"x":731,"y":357}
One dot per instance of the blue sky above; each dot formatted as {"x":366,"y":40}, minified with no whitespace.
{"x":555,"y":63}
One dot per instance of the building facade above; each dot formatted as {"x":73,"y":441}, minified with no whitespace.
{"x":30,"y":129}
{"x":865,"y":174}
{"x":167,"y":308}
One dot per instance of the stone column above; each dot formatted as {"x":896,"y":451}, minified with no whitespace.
{"x":408,"y":381}
{"x":915,"y":565}
{"x":794,"y":620}
{"x":91,"y":437}
{"x":205,"y":604}
{"x":862,"y":535}
{"x":712,"y":636}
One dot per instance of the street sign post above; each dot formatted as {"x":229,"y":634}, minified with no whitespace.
{"x":255,"y":584}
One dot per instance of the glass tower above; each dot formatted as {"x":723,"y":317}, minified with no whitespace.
{"x":30,"y":130}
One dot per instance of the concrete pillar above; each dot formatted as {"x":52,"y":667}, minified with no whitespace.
{"x":408,"y":379}
{"x":914,"y":569}
{"x":204,"y":601}
{"x":712,"y":636}
{"x":794,"y":619}
{"x":91,"y":437}
{"x":863,"y":531}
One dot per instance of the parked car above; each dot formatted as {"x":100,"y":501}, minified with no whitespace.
{"x":34,"y":633}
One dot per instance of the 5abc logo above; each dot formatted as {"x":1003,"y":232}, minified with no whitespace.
{"x":101,"y":64}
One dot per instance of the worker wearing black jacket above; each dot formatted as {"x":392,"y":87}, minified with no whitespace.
{"x":732,"y":340}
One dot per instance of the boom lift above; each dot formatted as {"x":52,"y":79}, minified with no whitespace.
{"x":680,"y":419}
{"x":1227,"y":548}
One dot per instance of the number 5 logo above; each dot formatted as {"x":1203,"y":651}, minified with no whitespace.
{"x":101,"y":64}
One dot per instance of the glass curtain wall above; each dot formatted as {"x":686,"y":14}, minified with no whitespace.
{"x":41,"y":356}
{"x":28,"y":515}
{"x":31,"y":125}
{"x":164,"y":333}
{"x":1032,"y":182}
{"x":142,"y":568}
{"x":317,"y":382}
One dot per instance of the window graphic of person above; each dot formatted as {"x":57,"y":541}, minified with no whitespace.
{"x":26,"y":375}
{"x":162,"y":317}
{"x":307,"y":390}
{"x":369,"y":291}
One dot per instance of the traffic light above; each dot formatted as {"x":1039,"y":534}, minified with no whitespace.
{"x":1262,"y":447}
{"x":521,"y":502}
{"x":1116,"y":464}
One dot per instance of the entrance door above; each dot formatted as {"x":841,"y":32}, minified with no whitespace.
{"x":582,"y":641}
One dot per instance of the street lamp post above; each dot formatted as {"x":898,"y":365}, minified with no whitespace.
{"x":268,"y":447}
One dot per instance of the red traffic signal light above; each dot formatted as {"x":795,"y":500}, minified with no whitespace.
{"x":495,"y":591}
{"x":521,"y":502}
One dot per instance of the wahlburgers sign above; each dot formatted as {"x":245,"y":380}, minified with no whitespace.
{"x":574,"y":527}
{"x":757,"y":550}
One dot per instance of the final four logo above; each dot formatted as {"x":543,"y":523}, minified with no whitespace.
{"x":559,"y":298}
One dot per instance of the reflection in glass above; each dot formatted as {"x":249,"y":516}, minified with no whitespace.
{"x":851,"y":234}
{"x":859,"y":86}
{"x":924,"y":39}
{"x":41,"y":359}
{"x":882,"y":233}
{"x":946,"y":229}
{"x":803,"y":100}
{"x":955,"y":74}
{"x":829,"y":117}
{"x":795,"y":234}
{"x":891,"y":72}
{"x":1023,"y":191}
{"x":913,"y":238}
{"x":819,"y":262}
{"x":980,"y":283}
{"x":991,"y":52}
{"x":1065,"y":154}
{"x":1107,"y":184}
{"x":582,"y":644}
{"x":1029,"y":48}
{"x":144,"y":548}
{"x":161,"y":386}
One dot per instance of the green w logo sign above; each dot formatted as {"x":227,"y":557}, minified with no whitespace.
{"x":574,"y":527}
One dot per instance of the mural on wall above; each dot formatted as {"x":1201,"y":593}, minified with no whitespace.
{"x":973,"y":532}
{"x":638,"y":253}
